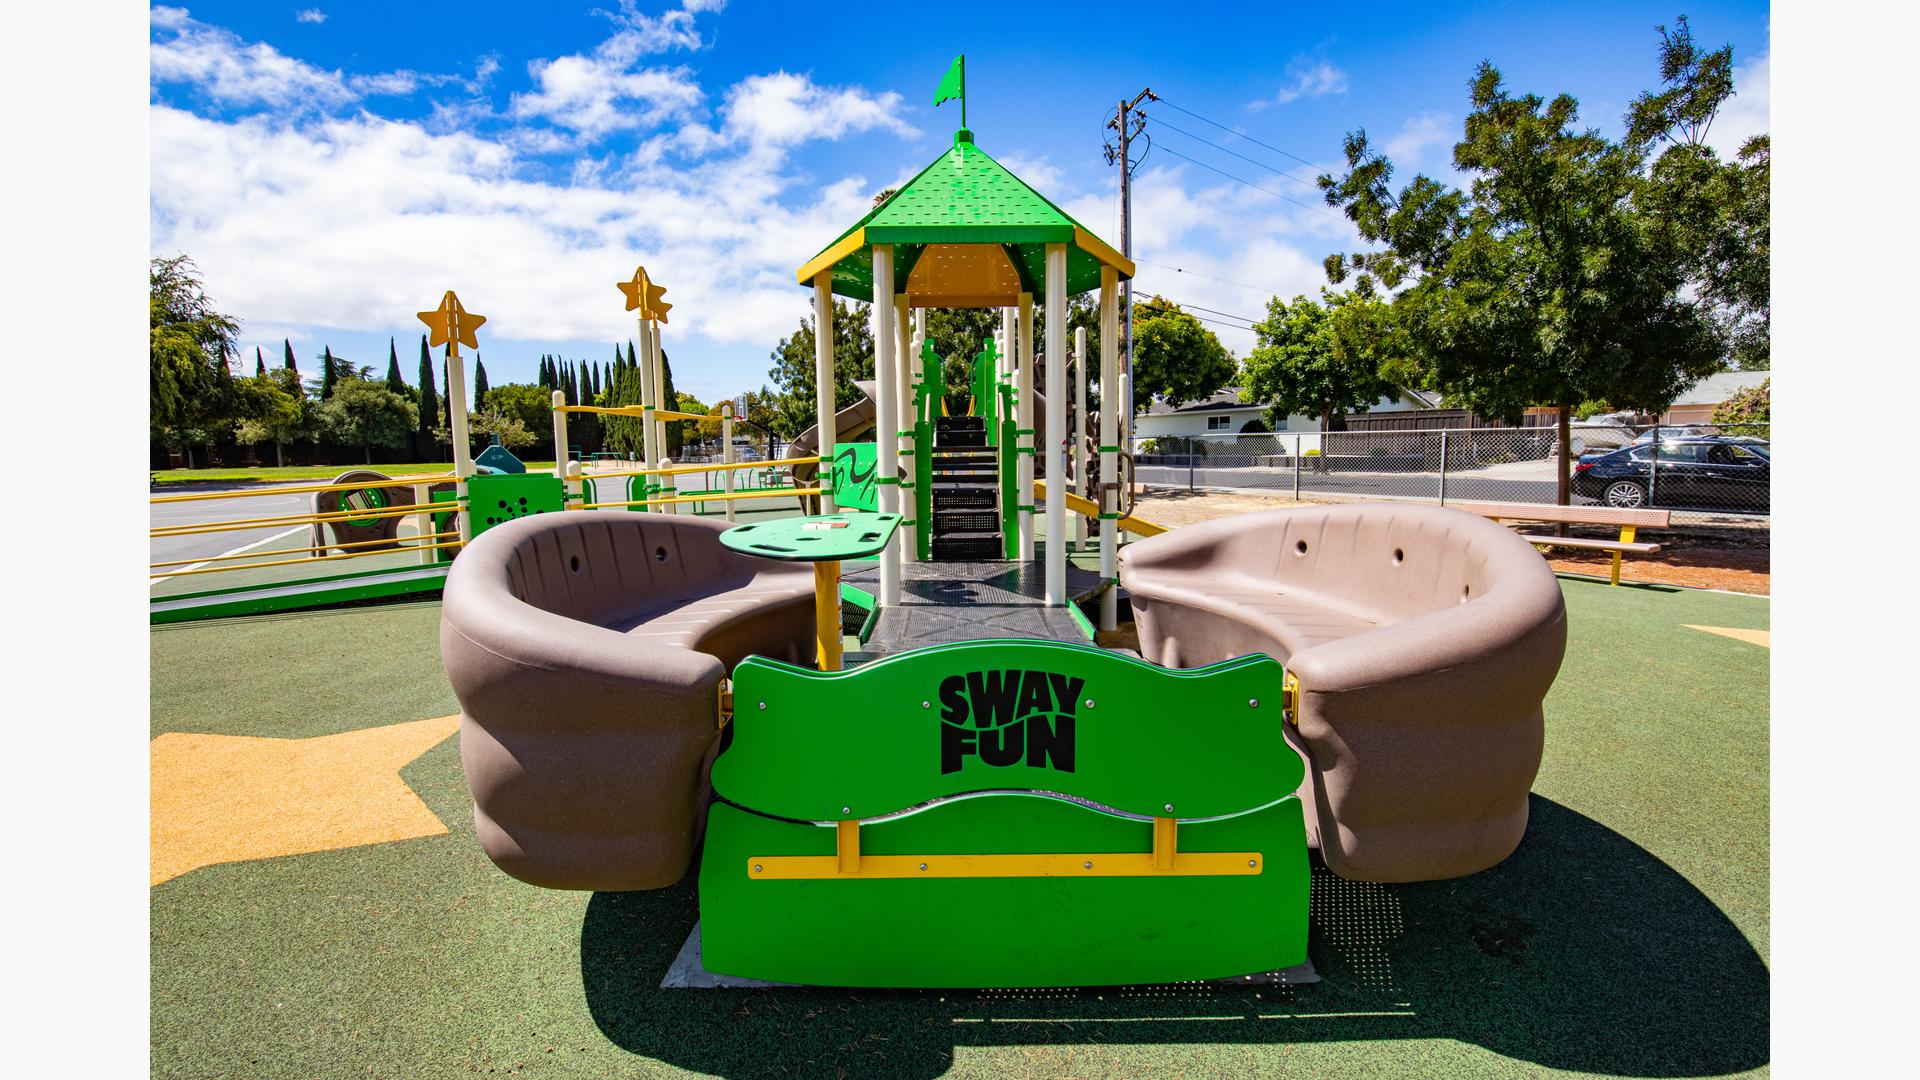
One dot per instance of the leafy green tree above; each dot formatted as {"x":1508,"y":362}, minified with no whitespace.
{"x":279,"y":412}
{"x":329,"y":373}
{"x":1747,"y":412}
{"x":1175,"y":357}
{"x":532,"y":406}
{"x":1543,"y":282}
{"x":394,"y":382}
{"x":189,"y":383}
{"x":793,"y":372}
{"x":1316,"y":360}
{"x":489,"y":424}
{"x":429,"y":406}
{"x":957,"y":335}
{"x":365,"y":413}
{"x":1716,"y":212}
{"x":621,"y":433}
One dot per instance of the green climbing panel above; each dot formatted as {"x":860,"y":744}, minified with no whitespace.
{"x":855,"y":472}
{"x":1005,"y":794}
{"x":497,"y":499}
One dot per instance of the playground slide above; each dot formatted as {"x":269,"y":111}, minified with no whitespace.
{"x":849,"y":424}
{"x":1088,"y":508}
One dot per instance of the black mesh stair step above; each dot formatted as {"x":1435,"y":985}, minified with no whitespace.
{"x":946,"y":439}
{"x":964,"y":546}
{"x":960,"y":423}
{"x":957,"y":497}
{"x":966,"y":520}
{"x":986,"y":480}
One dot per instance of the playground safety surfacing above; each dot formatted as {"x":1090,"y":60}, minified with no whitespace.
{"x":318,"y":924}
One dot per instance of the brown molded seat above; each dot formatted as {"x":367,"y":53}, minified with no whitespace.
{"x":1424,"y":640}
{"x":587,"y":648}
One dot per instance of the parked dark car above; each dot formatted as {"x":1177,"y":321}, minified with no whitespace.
{"x":1711,"y":472}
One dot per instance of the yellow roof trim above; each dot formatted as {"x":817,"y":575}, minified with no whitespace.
{"x":1097,"y":248}
{"x":825,"y":261}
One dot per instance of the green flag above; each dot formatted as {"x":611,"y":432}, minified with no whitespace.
{"x":954,"y":85}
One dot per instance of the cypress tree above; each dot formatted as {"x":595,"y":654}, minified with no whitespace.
{"x":446,"y":397}
{"x":394,"y":382}
{"x":670,"y":400}
{"x":259,"y":363}
{"x":288,"y":345}
{"x":326,"y":373}
{"x":479,"y":380}
{"x":429,"y":401}
{"x":614,"y":371}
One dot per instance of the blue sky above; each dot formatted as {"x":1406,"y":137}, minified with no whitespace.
{"x":333,"y":166}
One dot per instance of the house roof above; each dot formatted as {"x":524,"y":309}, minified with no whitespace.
{"x":1715,"y":389}
{"x":966,"y":232}
{"x":1222,"y":400}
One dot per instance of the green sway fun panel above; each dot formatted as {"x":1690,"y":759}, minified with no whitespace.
{"x":1003,"y":931}
{"x":856,"y":469}
{"x":983,"y":715}
{"x":997,"y":749}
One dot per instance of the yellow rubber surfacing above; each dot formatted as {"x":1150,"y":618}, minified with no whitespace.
{"x":226,"y":798}
{"x":1762,"y":638}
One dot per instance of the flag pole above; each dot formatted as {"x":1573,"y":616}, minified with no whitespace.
{"x":963,"y":90}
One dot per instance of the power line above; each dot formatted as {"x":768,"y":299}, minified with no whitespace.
{"x":1242,"y":157}
{"x":1241,"y":134}
{"x":1254,"y":186}
{"x":1209,"y":277}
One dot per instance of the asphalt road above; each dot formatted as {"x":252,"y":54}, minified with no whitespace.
{"x":264,"y":500}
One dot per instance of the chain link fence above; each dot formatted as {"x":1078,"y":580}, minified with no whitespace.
{"x":1700,"y":472}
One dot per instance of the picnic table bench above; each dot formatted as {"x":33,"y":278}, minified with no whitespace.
{"x":1628,"y":521}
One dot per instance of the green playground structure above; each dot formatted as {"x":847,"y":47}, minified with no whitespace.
{"x":967,"y":790}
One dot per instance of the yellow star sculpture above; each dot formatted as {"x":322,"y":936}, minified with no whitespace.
{"x":644,"y":296}
{"x":226,"y":798}
{"x":450,"y":320}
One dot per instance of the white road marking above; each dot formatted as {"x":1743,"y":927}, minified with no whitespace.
{"x":224,"y":554}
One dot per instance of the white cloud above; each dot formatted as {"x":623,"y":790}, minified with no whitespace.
{"x":234,"y":73}
{"x":595,"y":96}
{"x":1417,"y":134}
{"x":310,"y":15}
{"x":1308,"y":78}
{"x":1748,"y":113}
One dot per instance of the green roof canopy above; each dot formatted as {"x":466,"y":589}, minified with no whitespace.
{"x":966,"y":233}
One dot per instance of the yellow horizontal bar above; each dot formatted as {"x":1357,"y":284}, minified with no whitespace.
{"x":681,"y":470}
{"x":392,"y":545}
{"x":304,"y":519}
{"x":762,"y":493}
{"x":294,"y":562}
{"x":1096,"y":864}
{"x":399,"y":481}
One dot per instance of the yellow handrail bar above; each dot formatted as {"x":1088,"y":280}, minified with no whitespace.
{"x":636,"y":411}
{"x":680,"y":470}
{"x":392,"y":545}
{"x":294,"y":562}
{"x":302,"y":519}
{"x":403,"y":481}
{"x":761,"y":494}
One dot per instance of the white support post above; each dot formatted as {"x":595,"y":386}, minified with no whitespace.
{"x":726,"y":454}
{"x":649,"y":454}
{"x":823,"y":410}
{"x":422,"y":495}
{"x":659,"y":402}
{"x":1126,"y":422}
{"x":906,"y":359}
{"x":886,"y":450}
{"x":1056,"y":426}
{"x":1109,"y":436}
{"x":561,"y":455}
{"x":1080,"y":432}
{"x":457,"y":420}
{"x":1023,"y":425}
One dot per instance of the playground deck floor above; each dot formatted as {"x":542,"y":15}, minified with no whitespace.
{"x":320,"y":906}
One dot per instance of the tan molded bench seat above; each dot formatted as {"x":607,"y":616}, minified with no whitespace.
{"x":587,"y":650}
{"x":1423,"y":641}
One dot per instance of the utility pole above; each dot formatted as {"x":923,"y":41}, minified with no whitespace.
{"x":1128,"y":122}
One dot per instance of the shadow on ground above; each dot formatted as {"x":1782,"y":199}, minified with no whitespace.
{"x":1582,"y":951}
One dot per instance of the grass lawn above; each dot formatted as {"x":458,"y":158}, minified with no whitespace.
{"x":268,"y":474}
{"x":1627,"y":936}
